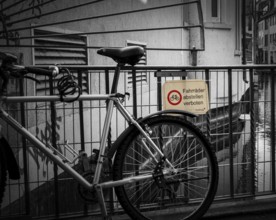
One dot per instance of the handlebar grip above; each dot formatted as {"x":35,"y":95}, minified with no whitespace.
{"x":39,"y":71}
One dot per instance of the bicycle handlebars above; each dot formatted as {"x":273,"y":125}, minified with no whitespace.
{"x":9,"y":69}
{"x":52,"y":71}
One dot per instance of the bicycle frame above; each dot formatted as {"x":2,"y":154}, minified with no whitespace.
{"x":112,"y":100}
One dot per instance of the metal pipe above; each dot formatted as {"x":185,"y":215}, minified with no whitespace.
{"x":55,"y":98}
{"x":109,"y":143}
{"x":252,"y":130}
{"x":159,"y":93}
{"x":54,"y":144}
{"x":102,"y":148}
{"x":27,"y":9}
{"x":103,"y":16}
{"x":134,"y":93}
{"x":208,"y":117}
{"x":24,"y":146}
{"x":105,"y":32}
{"x":116,"y":78}
{"x":272,"y":127}
{"x":81,"y":112}
{"x":12,"y":5}
{"x":95,"y":47}
{"x":45,"y":14}
{"x":230,"y":133}
{"x":201,"y":22}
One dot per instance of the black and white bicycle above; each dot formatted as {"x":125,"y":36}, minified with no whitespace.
{"x":161,"y":163}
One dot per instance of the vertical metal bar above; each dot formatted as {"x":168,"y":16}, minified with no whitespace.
{"x":53,"y":127}
{"x":272,"y":125}
{"x":230,"y":132}
{"x":159,"y":93}
{"x":134,"y":91}
{"x":252,"y":131}
{"x":24,"y":145}
{"x":243,"y":21}
{"x":208,"y":119}
{"x":81,"y":113}
{"x":201,"y":22}
{"x":243,"y":32}
{"x":82,"y":139}
{"x":111,"y":199}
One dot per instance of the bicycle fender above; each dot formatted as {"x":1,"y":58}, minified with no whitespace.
{"x":168,"y":112}
{"x":131,"y":128}
{"x":9,"y":159}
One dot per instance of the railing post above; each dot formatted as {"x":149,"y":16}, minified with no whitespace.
{"x":159,"y":93}
{"x":53,"y":127}
{"x":24,"y":146}
{"x":252,"y":131}
{"x":81,"y":113}
{"x":208,"y":118}
{"x":230,"y":132}
{"x":82,"y":139}
{"x":272,"y":125}
{"x":134,"y":92}
{"x":109,"y":143}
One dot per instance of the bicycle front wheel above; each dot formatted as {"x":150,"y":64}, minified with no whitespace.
{"x":185,"y":194}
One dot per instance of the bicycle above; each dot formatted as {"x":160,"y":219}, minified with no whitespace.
{"x":162,"y":163}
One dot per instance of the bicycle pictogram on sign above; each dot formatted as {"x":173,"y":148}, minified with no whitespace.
{"x":174,"y":97}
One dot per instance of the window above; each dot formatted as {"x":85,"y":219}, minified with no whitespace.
{"x":141,"y":76}
{"x":59,"y":49}
{"x":215,"y":10}
{"x":266,"y":24}
{"x":217,"y":14}
{"x":266,"y":40}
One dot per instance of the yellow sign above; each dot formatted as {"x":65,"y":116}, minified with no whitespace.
{"x":188,"y":95}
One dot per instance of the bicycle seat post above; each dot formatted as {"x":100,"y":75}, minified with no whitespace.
{"x":116,"y":78}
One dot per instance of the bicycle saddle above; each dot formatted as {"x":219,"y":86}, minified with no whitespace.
{"x":125,"y":55}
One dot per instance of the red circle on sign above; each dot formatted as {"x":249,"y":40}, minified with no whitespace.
{"x":178,"y":95}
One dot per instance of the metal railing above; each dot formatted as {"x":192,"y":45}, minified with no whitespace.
{"x":240,"y":126}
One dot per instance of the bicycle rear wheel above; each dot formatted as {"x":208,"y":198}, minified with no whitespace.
{"x":3,"y":178}
{"x":186,"y":194}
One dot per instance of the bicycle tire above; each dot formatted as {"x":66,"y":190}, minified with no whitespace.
{"x":181,"y":141}
{"x":3,"y":178}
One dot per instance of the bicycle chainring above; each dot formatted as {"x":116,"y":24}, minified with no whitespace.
{"x":86,"y":194}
